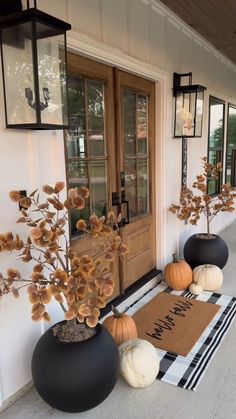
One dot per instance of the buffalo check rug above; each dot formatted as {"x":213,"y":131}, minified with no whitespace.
{"x":187,"y":371}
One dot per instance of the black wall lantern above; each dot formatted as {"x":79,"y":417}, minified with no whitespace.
{"x":188,"y":107}
{"x":33,"y":51}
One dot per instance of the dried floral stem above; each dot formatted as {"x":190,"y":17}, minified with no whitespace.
{"x":61,"y":261}
{"x":63,"y":307}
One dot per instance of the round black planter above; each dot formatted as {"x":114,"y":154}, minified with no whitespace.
{"x":74,"y":377}
{"x":198,"y":250}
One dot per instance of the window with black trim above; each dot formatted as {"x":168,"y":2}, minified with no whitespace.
{"x":215,"y":139}
{"x":230,"y":167}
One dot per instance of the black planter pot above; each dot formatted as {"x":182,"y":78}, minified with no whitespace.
{"x":77,"y":376}
{"x":198,"y":250}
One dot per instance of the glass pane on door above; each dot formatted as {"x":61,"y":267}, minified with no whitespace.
{"x":215,"y":139}
{"x":131,"y":186}
{"x":136,"y":152}
{"x":129,"y":116}
{"x":142,"y":124}
{"x":95,"y":108}
{"x":85,"y":142}
{"x":76,"y":141}
{"x":77,"y":177}
{"x":143,"y":186}
{"x":230,"y":175}
{"x":98,"y":187}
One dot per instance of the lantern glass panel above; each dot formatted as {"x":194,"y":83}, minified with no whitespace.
{"x":18,"y":73}
{"x":52,"y":74}
{"x":185,"y":111}
{"x":199,"y":113}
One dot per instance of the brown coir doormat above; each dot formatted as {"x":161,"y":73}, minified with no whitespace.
{"x":174,"y":323}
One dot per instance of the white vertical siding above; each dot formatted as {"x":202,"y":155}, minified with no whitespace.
{"x":138,"y":29}
{"x":112,"y":30}
{"x":157,"y":38}
{"x":85,"y":16}
{"x":172,"y":45}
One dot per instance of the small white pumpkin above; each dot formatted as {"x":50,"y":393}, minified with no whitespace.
{"x":139,"y":362}
{"x":195,"y":289}
{"x":210,"y":277}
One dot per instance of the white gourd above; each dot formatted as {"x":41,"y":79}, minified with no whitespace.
{"x":210,"y":277}
{"x":139,"y":362}
{"x":195,"y":289}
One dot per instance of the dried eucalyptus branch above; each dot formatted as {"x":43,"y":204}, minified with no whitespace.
{"x":80,"y":284}
{"x":193,"y":205}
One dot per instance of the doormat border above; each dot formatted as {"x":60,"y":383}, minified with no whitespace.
{"x":188,"y":371}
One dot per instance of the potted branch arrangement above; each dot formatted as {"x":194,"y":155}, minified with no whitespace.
{"x":205,"y":248}
{"x":75,"y":363}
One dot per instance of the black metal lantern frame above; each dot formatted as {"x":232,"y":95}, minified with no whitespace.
{"x":34,"y":68}
{"x":188,"y":112}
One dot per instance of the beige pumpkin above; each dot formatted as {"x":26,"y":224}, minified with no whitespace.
{"x":178,"y":274}
{"x":209,"y":277}
{"x":195,"y":289}
{"x":139,"y":362}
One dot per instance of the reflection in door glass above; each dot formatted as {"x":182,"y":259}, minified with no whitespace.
{"x":98,"y":187}
{"x":129,"y":113}
{"x":136,"y":152}
{"x":216,"y":139}
{"x":143,"y":190}
{"x":85,"y":142}
{"x":77,"y":177}
{"x":142,"y":119}
{"x":131,"y":186}
{"x":76,"y":141}
{"x":95,"y":109}
{"x":231,"y":147}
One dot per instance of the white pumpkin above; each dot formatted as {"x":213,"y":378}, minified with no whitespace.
{"x":139,"y":362}
{"x":210,"y":277}
{"x":195,"y":289}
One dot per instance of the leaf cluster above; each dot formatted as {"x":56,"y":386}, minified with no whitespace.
{"x":192,"y":204}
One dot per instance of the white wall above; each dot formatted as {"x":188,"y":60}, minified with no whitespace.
{"x":141,"y":36}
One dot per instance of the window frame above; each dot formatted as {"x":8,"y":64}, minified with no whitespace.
{"x":229,"y":105}
{"x":223,"y":102}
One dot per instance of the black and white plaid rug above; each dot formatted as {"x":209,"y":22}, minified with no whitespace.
{"x":187,"y":371}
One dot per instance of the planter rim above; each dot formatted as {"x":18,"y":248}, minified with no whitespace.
{"x":98,"y":329}
{"x":204,"y":236}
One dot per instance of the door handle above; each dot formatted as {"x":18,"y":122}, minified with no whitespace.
{"x":126,"y":220}
{"x":117,"y":202}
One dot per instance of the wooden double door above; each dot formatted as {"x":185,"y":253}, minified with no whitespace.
{"x":110,"y":149}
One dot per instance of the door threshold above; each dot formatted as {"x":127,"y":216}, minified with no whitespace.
{"x":133,"y":292}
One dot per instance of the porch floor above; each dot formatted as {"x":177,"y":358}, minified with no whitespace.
{"x":214,"y":398}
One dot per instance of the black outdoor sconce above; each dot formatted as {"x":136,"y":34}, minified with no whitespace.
{"x":34,"y":69}
{"x":188,"y":107}
{"x":188,"y":114}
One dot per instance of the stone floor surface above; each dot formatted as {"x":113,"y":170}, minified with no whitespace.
{"x":215,"y":397}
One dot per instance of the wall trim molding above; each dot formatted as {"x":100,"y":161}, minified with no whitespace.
{"x":21,"y":392}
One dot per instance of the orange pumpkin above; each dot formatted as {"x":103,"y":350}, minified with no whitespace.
{"x":178,"y":274}
{"x":121,"y":326}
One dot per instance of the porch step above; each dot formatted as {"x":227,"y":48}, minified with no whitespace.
{"x":133,"y":292}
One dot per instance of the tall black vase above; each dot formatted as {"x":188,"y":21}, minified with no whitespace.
{"x":74,"y":377}
{"x":198,"y":250}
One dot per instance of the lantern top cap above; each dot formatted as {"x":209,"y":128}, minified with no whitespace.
{"x":190,"y":88}
{"x":32,"y":14}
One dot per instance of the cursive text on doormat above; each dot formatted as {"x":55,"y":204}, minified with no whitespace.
{"x":173,"y":323}
{"x":168,"y":322}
